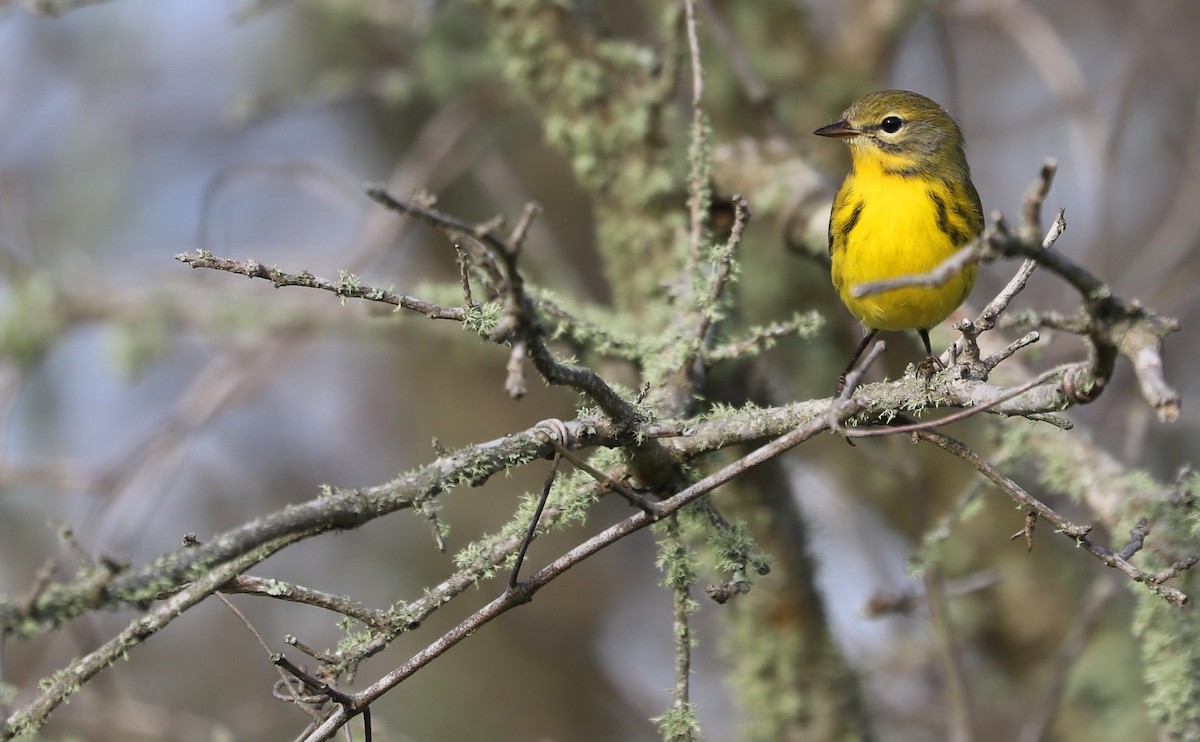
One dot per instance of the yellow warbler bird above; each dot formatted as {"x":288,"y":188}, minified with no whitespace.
{"x":907,"y":204}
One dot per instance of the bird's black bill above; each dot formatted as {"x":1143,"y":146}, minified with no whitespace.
{"x":841,"y":130}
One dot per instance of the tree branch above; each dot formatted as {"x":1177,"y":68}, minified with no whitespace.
{"x":1079,"y":533}
{"x":837,"y":412}
{"x":521,"y":326}
{"x":347,"y":287}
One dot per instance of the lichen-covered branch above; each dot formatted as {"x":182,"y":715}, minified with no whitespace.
{"x":520,"y":325}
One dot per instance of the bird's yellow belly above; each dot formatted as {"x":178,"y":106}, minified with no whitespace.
{"x":897,"y":234}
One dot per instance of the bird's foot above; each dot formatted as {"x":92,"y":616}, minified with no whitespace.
{"x":928,"y":367}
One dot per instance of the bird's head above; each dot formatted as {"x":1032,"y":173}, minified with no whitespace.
{"x":899,"y":130}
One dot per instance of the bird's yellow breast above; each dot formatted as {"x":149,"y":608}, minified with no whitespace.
{"x":885,"y":225}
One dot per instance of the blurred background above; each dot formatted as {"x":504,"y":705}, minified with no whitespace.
{"x":142,"y":400}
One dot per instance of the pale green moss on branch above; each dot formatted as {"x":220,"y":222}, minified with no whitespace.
{"x":602,"y":103}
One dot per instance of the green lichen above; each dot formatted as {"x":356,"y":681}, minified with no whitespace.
{"x":679,"y":724}
{"x":765,"y":676}
{"x":138,"y":340}
{"x":677,"y":562}
{"x":601,"y":103}
{"x":31,"y":321}
{"x":1170,"y":644}
{"x":482,"y":319}
{"x":347,"y":283}
{"x":353,"y":640}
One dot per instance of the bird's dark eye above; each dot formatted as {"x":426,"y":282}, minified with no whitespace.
{"x":891,"y":124}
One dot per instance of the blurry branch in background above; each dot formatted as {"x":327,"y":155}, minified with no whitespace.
{"x":1037,"y":725}
{"x":51,"y":7}
{"x":237,"y":371}
{"x":1050,"y":55}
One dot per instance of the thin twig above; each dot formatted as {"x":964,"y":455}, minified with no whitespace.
{"x":295,"y":698}
{"x":719,"y":280}
{"x":344,"y":288}
{"x":516,"y":240}
{"x":346,"y":702}
{"x":1075,"y":324}
{"x":520,"y":314}
{"x":617,"y":486}
{"x":677,"y":561}
{"x":1007,"y":351}
{"x":464,"y":274}
{"x":726,"y":264}
{"x":761,"y":338}
{"x":280,"y":590}
{"x":856,"y":376}
{"x":945,"y":270}
{"x":533,"y":523}
{"x":1035,"y":198}
{"x":1016,"y":284}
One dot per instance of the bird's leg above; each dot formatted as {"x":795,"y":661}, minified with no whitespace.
{"x":841,"y":380}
